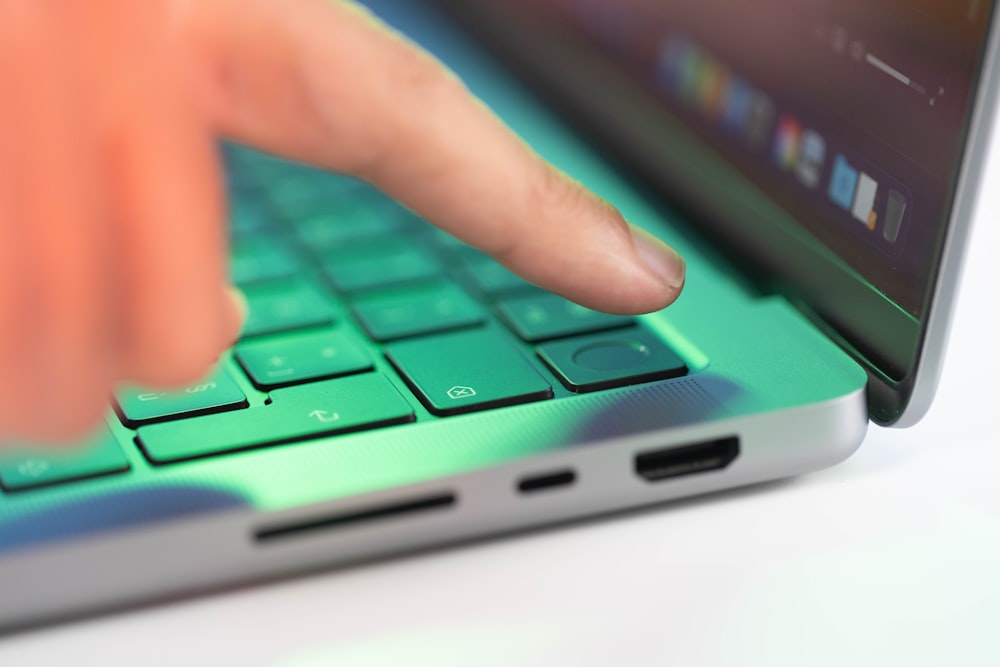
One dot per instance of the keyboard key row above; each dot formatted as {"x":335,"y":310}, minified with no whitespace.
{"x":450,"y":374}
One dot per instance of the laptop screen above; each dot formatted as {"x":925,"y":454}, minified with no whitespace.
{"x":829,"y":135}
{"x":849,"y":113}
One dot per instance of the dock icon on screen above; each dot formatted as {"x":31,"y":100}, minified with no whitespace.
{"x":854,"y":191}
{"x":863,"y":209}
{"x":895,"y":209}
{"x":843,"y":182}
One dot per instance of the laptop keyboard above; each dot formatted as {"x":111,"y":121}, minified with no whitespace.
{"x":362,"y":316}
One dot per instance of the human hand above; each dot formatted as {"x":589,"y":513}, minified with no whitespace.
{"x":112,"y":243}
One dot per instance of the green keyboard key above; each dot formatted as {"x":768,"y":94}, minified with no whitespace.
{"x":25,"y":467}
{"x":216,"y":393}
{"x":327,"y":230}
{"x":294,"y":414}
{"x":294,"y":358}
{"x":245,"y":214}
{"x":492,"y":279}
{"x":259,"y":260}
{"x":384,"y":262}
{"x":416,"y":310}
{"x":301,"y":196}
{"x":285,"y":306}
{"x":614,"y":359}
{"x":465,"y":372}
{"x":546,"y":316}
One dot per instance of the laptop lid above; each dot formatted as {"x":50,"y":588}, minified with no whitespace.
{"x":833,"y":148}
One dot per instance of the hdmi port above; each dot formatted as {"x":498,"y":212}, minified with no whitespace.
{"x":687,"y":459}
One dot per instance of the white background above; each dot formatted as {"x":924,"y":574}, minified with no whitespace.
{"x":892,"y":558}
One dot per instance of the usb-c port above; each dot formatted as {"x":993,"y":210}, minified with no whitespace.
{"x":547,"y":481}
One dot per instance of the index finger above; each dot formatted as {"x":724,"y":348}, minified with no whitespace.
{"x":325,"y":83}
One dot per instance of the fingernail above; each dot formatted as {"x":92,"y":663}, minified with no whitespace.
{"x":661,"y":259}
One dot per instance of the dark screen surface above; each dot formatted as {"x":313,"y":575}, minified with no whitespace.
{"x":821,"y":139}
{"x":851,"y":114}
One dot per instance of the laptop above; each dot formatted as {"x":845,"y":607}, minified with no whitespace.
{"x":394,"y":390}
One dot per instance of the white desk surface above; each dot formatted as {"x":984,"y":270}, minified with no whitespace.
{"x":891,"y":558}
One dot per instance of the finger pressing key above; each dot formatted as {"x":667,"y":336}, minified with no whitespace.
{"x":332,"y":86}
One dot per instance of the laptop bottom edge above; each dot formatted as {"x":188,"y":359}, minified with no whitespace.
{"x":232,"y":547}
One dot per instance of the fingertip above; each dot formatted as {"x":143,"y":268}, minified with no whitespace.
{"x":665,"y":263}
{"x":649,"y":277}
{"x":237,"y":310}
